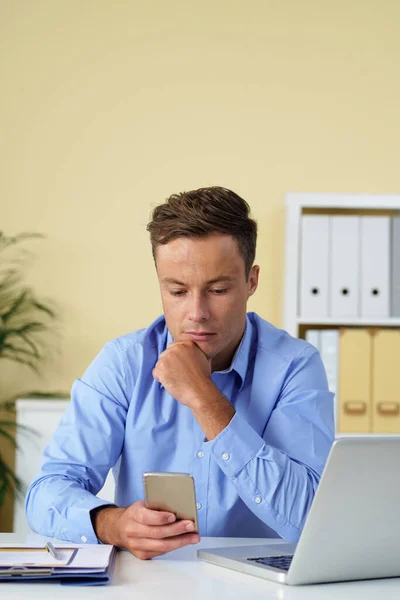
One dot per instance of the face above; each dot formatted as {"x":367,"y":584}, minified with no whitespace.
{"x":204,"y":293}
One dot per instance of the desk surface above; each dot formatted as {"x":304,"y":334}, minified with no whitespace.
{"x":180,"y":575}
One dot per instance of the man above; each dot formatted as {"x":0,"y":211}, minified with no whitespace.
{"x":206,"y":389}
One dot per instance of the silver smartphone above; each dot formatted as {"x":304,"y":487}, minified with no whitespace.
{"x":173,"y":492}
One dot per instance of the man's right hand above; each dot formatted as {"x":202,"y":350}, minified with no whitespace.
{"x":144,"y":532}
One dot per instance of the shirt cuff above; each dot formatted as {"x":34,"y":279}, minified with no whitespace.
{"x":235,"y":446}
{"x":78,"y":527}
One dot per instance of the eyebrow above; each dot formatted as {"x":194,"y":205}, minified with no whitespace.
{"x":226,"y":278}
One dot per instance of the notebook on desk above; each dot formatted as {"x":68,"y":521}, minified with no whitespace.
{"x":352,"y":530}
{"x":72,"y":564}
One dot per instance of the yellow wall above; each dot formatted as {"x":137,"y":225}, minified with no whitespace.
{"x":107,"y":107}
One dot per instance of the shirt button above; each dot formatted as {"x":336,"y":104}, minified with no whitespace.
{"x":84,"y":539}
{"x":257,"y":499}
{"x":225,"y":456}
{"x":200,"y":454}
{"x":198,"y":505}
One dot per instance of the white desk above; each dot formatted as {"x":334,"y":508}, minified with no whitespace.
{"x":180,"y":575}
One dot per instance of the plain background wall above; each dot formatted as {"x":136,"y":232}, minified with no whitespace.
{"x":108,"y":107}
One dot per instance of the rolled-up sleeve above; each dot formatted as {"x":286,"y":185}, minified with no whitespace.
{"x":276,"y":474}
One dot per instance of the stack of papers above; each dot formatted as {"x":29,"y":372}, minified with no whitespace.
{"x":88,"y":564}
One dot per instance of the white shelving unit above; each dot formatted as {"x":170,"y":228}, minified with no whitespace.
{"x":344,"y":321}
{"x":298,"y":204}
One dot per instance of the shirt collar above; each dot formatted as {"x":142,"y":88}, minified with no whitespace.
{"x":240,"y":360}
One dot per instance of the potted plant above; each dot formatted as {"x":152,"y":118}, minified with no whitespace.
{"x":25,"y":325}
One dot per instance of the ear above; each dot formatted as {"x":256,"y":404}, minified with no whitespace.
{"x":252,"y":282}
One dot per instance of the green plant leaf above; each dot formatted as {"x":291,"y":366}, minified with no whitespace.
{"x":9,"y":481}
{"x":3,"y":486}
{"x":6,"y":241}
{"x":9,"y":277}
{"x":25,"y":324}
{"x":7,"y":435}
{"x":33,"y":326}
{"x":21,"y":361}
{"x":24,"y":429}
{"x":15,"y":306}
{"x":31,"y":344}
{"x":17,"y":350}
{"x":45,"y":309}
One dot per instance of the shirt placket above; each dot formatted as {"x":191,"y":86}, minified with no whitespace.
{"x":201,"y":474}
{"x":202,"y":460}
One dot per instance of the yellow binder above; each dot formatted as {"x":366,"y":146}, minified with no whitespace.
{"x":354,"y":397}
{"x":386,"y":381}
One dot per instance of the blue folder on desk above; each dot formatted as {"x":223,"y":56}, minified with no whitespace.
{"x":76,"y":565}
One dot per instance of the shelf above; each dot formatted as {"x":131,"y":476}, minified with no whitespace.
{"x":357,"y":322}
{"x":46,"y":404}
{"x":366,"y":434}
{"x":340,"y":201}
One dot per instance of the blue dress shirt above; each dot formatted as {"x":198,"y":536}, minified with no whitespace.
{"x":257,"y":478}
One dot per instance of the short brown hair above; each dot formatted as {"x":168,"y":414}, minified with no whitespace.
{"x":202,"y":212}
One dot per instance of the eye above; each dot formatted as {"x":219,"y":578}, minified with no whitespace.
{"x":177,"y":293}
{"x":219,"y":292}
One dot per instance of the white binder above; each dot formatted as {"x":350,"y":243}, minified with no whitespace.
{"x":329,"y":350}
{"x":313,"y":337}
{"x":395,"y":266}
{"x":329,"y":347}
{"x":314,"y":277}
{"x":375,"y":266}
{"x":345,"y":265}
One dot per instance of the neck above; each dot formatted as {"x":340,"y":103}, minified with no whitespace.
{"x":223,"y":359}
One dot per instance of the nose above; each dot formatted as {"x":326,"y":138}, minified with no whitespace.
{"x":198,"y":310}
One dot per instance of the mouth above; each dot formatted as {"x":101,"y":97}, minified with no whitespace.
{"x":199,"y":336}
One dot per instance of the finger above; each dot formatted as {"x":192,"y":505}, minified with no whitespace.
{"x":202,"y":351}
{"x":164,"y":531}
{"x":176,"y":343}
{"x":187,"y":343}
{"x":143,"y":555}
{"x":147,"y":516}
{"x":164,"y":545}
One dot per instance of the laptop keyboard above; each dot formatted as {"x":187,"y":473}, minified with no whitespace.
{"x":279,"y":562}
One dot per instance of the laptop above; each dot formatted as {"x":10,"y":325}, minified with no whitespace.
{"x":352,"y":530}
